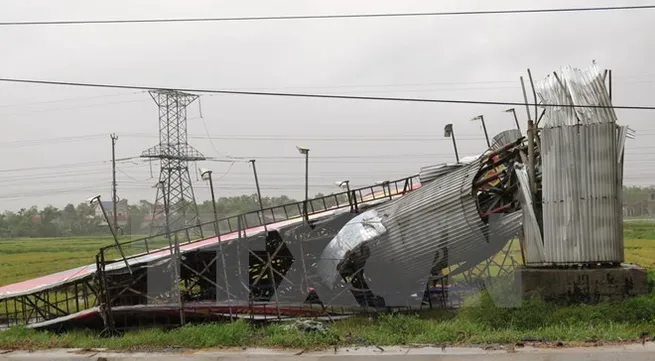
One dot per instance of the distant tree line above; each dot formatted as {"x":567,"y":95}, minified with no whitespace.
{"x":82,"y":220}
{"x":637,"y":194}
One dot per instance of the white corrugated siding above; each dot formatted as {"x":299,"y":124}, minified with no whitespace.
{"x":581,"y":177}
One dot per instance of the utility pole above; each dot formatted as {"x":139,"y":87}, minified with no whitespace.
{"x":114,"y":196}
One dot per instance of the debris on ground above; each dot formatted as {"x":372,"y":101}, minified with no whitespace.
{"x":307,"y":326}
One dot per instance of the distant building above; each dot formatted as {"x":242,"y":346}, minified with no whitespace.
{"x":641,"y":208}
{"x":651,"y":204}
{"x":121,"y":212}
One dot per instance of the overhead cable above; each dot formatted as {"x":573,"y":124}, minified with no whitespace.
{"x":330,"y":16}
{"x":319,"y":96}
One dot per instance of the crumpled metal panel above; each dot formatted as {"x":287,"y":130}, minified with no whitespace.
{"x":505,"y":137}
{"x":575,"y":87}
{"x":432,"y":172}
{"x":438,"y":223}
{"x":533,"y":247}
{"x":622,"y":134}
{"x":363,"y":228}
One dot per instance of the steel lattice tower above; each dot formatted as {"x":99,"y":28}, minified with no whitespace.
{"x":174,"y":190}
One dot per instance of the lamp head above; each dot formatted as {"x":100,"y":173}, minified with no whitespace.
{"x":477,"y":118}
{"x":302,"y":150}
{"x":510,"y":110}
{"x":448,"y":130}
{"x":342,"y":184}
{"x":93,"y":199}
{"x":205,"y":173}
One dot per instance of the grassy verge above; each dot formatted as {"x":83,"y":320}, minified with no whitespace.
{"x":28,"y":258}
{"x":484,"y":324}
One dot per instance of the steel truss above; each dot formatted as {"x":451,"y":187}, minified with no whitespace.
{"x":49,"y":304}
{"x":199,"y":283}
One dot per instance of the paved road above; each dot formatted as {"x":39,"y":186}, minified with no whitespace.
{"x":629,"y":353}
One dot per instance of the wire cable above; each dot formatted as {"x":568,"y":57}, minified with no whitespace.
{"x":333,"y":16}
{"x":318,"y":96}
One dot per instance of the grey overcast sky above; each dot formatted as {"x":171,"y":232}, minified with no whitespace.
{"x":59,"y":136}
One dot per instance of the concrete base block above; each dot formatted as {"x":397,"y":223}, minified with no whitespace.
{"x":582,"y":285}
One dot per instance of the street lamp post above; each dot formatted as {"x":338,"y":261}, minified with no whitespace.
{"x":448,"y":131}
{"x":484,"y":127}
{"x":305,"y":151}
{"x":516,"y":120}
{"x":112,"y":229}
{"x":259,"y":194}
{"x":345,"y":184}
{"x":206,"y":175}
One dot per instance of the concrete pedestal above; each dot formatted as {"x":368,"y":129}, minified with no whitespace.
{"x":582,"y":285}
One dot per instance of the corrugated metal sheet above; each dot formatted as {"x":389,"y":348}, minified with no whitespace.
{"x":505,"y":137}
{"x":432,"y":172}
{"x":533,"y":246}
{"x":440,"y":221}
{"x":580,"y":172}
{"x":575,"y":87}
{"x":581,"y":180}
{"x":580,"y":194}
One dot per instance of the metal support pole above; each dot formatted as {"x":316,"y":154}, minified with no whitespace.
{"x":259,"y":195}
{"x":534,"y":93}
{"x":305,"y":151}
{"x":114,"y":196}
{"x":516,"y":119}
{"x":531,"y":158}
{"x":220,"y":243}
{"x":306,"y":185}
{"x":269,"y":264}
{"x":175,"y":255}
{"x":525,"y":98}
{"x":484,"y":127}
{"x":450,"y":132}
{"x":347,"y":183}
{"x":610,"y":84}
{"x":113,"y":233}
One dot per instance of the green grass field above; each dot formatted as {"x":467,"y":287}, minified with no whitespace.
{"x":22,"y":259}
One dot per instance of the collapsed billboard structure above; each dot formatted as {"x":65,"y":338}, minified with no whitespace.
{"x":380,"y":247}
{"x":377,"y":247}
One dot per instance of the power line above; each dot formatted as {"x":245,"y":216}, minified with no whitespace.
{"x":69,"y":165}
{"x":65,"y":100}
{"x":334,"y":16}
{"x":318,"y":96}
{"x":76,"y":107}
{"x":56,"y":140}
